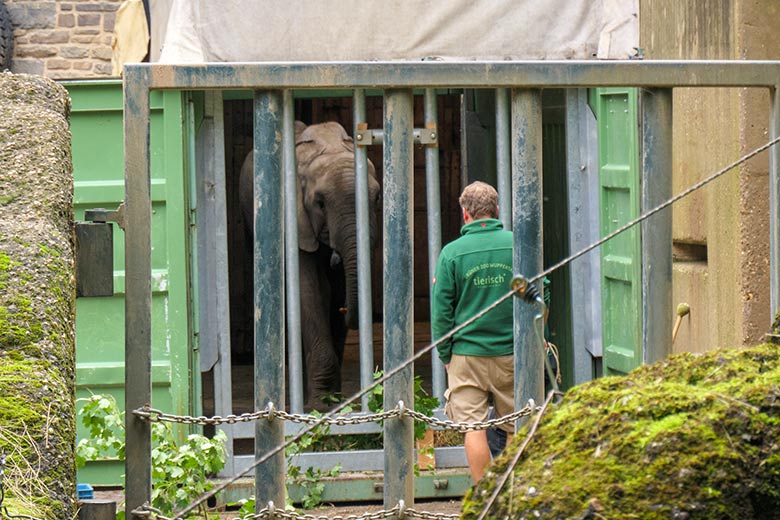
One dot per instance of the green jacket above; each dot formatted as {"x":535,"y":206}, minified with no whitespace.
{"x":473,"y":272}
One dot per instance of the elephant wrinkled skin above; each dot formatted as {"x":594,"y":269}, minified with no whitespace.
{"x":327,"y":248}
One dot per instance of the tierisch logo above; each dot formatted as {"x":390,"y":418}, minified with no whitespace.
{"x":485,"y":279}
{"x":488,"y":281}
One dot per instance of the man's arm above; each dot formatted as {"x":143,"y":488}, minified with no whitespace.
{"x":444,"y":299}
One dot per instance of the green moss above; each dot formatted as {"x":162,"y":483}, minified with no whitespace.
{"x":692,"y":437}
{"x":37,"y":426}
{"x":32,"y":427}
{"x":18,"y":325}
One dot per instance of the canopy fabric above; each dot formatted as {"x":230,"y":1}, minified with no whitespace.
{"x":382,"y":30}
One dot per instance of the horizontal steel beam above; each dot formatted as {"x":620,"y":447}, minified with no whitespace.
{"x":359,"y":460}
{"x":459,"y":74}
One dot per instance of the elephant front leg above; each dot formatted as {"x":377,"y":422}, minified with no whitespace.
{"x":322,"y":361}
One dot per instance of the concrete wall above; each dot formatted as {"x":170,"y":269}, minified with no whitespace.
{"x":63,"y":39}
{"x":721,"y":233}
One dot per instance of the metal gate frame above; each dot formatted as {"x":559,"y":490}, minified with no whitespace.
{"x":525,"y":78}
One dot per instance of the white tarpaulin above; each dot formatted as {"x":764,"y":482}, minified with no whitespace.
{"x":380,"y":30}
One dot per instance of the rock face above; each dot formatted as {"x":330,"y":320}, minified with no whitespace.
{"x":693,"y":437}
{"x":37,"y":298}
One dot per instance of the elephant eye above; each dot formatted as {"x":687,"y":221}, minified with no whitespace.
{"x":320,"y":202}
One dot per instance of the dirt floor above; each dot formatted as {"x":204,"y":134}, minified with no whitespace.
{"x":243,"y":370}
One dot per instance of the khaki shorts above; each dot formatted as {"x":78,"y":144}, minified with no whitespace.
{"x":472,"y":380}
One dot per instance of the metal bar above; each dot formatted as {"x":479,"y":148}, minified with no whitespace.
{"x":369,"y":137}
{"x":246,"y":430}
{"x":656,"y":187}
{"x":465,"y":74}
{"x":432,"y":195}
{"x":218,"y":266}
{"x":582,"y":189}
{"x":398,"y":181}
{"x":268,"y":293}
{"x":204,"y":351}
{"x":503,"y":158}
{"x":365,"y":311}
{"x":527,"y":228}
{"x":294,"y":348}
{"x":362,"y":460}
{"x":774,"y":199}
{"x":138,"y":290}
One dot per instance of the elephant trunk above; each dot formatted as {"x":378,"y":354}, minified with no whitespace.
{"x":350,"y":263}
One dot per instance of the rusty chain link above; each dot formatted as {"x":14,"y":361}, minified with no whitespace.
{"x":154,"y":415}
{"x":399,"y":511}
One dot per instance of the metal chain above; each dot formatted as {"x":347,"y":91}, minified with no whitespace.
{"x":430,"y":516}
{"x":339,"y":420}
{"x":150,"y":414}
{"x":294,"y":515}
{"x":399,"y":511}
{"x":154,"y":415}
{"x":463,"y":427}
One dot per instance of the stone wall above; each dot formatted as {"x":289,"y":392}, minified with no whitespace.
{"x":721,"y":233}
{"x":63,"y":39}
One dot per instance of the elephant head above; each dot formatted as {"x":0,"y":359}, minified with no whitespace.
{"x":326,"y":200}
{"x":325,"y":157}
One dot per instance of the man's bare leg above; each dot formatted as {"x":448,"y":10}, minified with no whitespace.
{"x":477,"y":453}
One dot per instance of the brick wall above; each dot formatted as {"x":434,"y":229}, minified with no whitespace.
{"x":63,"y":39}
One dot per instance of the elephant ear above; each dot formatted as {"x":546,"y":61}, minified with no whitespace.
{"x":306,"y":150}
{"x":300,"y":126}
{"x":307,"y":238}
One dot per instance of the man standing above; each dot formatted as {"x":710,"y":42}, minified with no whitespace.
{"x":473,"y":272}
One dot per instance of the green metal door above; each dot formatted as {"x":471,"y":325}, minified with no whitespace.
{"x":621,"y":281}
{"x":98,"y":169}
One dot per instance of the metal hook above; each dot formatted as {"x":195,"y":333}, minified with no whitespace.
{"x":529,"y":293}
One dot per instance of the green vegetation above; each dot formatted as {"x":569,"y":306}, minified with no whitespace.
{"x":692,"y":437}
{"x":179,"y":471}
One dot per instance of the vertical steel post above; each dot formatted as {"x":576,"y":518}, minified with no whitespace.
{"x":774,"y":200}
{"x":213,"y":262}
{"x":366,"y":331}
{"x":527,"y":227}
{"x":503,"y":157}
{"x":656,"y":187}
{"x":432,"y":195}
{"x":294,"y":352}
{"x":582,"y":189}
{"x":268,"y":293}
{"x":399,"y":291}
{"x":138,"y":289}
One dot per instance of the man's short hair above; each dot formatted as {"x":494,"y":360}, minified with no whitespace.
{"x":480,"y":199}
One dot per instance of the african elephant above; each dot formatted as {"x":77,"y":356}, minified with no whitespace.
{"x":327,"y":248}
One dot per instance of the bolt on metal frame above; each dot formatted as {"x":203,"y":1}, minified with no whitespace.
{"x":270,"y":81}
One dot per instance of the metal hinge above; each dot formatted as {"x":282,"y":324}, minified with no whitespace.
{"x":365,"y":136}
{"x":100,"y":215}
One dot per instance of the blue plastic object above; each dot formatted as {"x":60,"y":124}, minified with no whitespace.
{"x":84,"y":492}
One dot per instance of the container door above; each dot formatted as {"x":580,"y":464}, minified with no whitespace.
{"x":98,"y":169}
{"x":618,"y":130}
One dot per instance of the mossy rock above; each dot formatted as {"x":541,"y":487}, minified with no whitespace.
{"x":37,"y":299}
{"x":692,"y":437}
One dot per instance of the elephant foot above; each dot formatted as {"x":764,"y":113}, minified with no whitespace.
{"x":324,"y":402}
